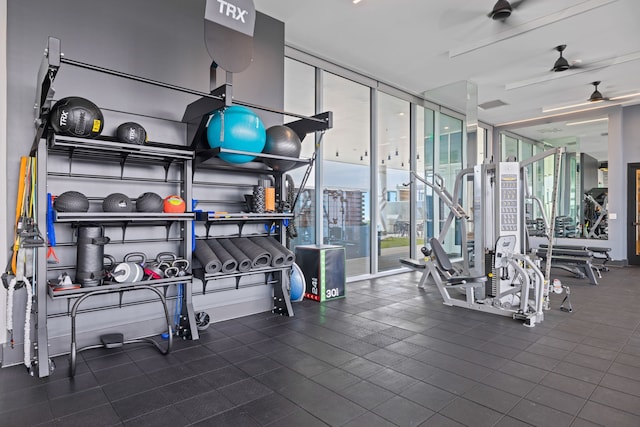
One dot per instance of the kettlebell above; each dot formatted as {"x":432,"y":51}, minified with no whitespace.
{"x":130,"y":271}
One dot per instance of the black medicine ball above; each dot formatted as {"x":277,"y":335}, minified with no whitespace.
{"x":131,"y":133}
{"x":149,"y":202}
{"x":117,"y":202}
{"x":71,"y":201}
{"x":75,"y":116}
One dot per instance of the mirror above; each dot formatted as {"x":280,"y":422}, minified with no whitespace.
{"x":582,"y":200}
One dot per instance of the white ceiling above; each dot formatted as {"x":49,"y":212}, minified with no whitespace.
{"x":422,"y":45}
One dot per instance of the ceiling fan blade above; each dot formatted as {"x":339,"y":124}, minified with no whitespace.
{"x":517,"y":3}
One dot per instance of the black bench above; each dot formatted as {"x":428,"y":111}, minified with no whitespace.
{"x":574,"y":259}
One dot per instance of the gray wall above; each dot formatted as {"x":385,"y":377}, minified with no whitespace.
{"x":160,"y":40}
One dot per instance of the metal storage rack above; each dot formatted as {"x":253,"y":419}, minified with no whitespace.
{"x":197,"y":156}
{"x":105,"y":151}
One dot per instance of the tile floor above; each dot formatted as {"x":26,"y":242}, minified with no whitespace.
{"x":387,"y":355}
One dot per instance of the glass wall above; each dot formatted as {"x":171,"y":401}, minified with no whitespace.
{"x":338,"y":205}
{"x":299,"y":97}
{"x":346,"y":191}
{"x":393,"y":171}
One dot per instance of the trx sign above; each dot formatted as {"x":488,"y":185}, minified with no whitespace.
{"x":238,"y":15}
{"x":228,"y":9}
{"x":228,"y":33}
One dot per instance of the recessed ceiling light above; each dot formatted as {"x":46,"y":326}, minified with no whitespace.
{"x":356,"y":1}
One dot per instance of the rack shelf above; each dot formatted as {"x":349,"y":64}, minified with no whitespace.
{"x":115,"y":286}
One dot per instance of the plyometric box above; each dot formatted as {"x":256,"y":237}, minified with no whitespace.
{"x":324,"y":271}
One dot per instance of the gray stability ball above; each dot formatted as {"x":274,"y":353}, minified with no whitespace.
{"x":282,"y":141}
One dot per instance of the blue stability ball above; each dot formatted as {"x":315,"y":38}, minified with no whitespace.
{"x":297,"y":284}
{"x":236,"y":128}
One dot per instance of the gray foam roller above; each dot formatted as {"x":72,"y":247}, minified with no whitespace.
{"x":277,"y":257}
{"x":244,"y":263}
{"x":207,"y":257}
{"x":258,"y":255}
{"x":229,"y":264}
{"x":271,"y":243}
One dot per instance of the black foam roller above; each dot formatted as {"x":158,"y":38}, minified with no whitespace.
{"x":269,"y":242}
{"x":244,"y":263}
{"x":259,"y":257}
{"x":229,"y":264}
{"x":207,"y":257}
{"x":277,"y":257}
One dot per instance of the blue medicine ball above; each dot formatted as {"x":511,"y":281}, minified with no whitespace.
{"x":236,"y":128}
{"x":297,"y":284}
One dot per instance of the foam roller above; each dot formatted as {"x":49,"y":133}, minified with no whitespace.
{"x":273,"y":246}
{"x":207,"y":257}
{"x":277,"y":257}
{"x":259,"y":257}
{"x":229,"y":264}
{"x":244,"y":263}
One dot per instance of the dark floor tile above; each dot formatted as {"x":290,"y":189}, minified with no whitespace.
{"x":579,"y":372}
{"x":208,"y":363}
{"x":626,"y":371}
{"x":280,"y":378}
{"x":430,"y":397}
{"x":526,"y":372}
{"x":224,"y":376}
{"x":327,"y":353}
{"x":298,"y":418}
{"x":362,"y":368}
{"x":170,"y":415}
{"x":403,"y":412}
{"x":36,"y":413}
{"x":184,"y":389}
{"x":438,"y":420}
{"x":97,"y":416}
{"x":589,"y":361}
{"x":569,"y":385}
{"x":139,"y":404}
{"x":601,"y":353}
{"x":244,"y":391}
{"x":23,"y":397}
{"x":511,"y":422}
{"x":622,"y":384}
{"x":617,"y":399}
{"x":470,"y":413}
{"x":204,"y":406}
{"x":450,"y":382}
{"x":366,"y":394}
{"x":392,"y":380}
{"x":608,"y":416}
{"x":336,"y":379}
{"x":369,"y":419}
{"x":109,"y":361}
{"x":117,"y":373}
{"x":556,"y":399}
{"x":508,"y":383}
{"x":493,"y":398}
{"x":258,"y":365}
{"x":533,"y":413}
{"x":127,"y":387}
{"x":233,"y":418}
{"x":269,"y":408}
{"x":87,"y":399}
{"x":67,"y":385}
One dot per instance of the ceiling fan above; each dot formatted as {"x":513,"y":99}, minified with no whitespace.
{"x":502,"y":9}
{"x":561,"y":63}
{"x":597,"y":95}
